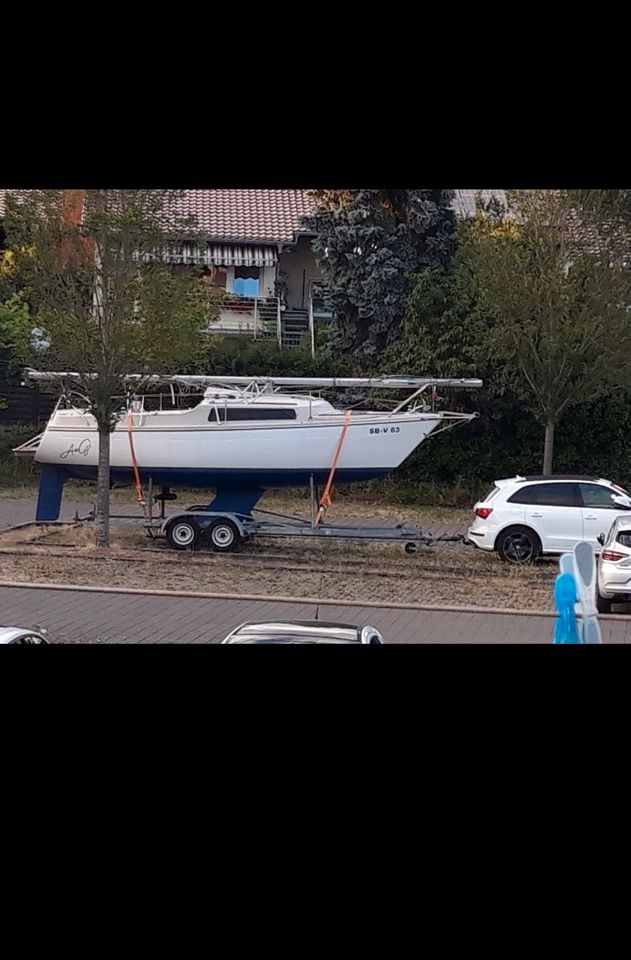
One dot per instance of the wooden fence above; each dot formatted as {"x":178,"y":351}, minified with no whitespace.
{"x":24,"y":405}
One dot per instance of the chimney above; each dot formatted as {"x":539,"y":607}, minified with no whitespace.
{"x":72,"y":208}
{"x":72,"y":202}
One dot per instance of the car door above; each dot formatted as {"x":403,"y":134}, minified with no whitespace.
{"x":555,"y":512}
{"x":599,"y":511}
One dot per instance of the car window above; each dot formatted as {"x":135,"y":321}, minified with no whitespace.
{"x":493,"y":492}
{"x":597,"y":496}
{"x":522,"y":496}
{"x":556,"y":495}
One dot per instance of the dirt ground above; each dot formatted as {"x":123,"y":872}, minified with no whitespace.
{"x":447,"y":574}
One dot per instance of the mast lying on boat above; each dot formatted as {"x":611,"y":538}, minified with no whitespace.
{"x":321,"y":383}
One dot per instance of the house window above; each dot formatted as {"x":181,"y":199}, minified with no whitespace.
{"x":247,"y":281}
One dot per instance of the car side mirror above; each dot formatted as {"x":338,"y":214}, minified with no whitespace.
{"x":623,"y":502}
{"x":601,"y":539}
{"x":371,"y":635}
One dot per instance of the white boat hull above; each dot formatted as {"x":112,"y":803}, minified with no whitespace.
{"x":261,"y":455}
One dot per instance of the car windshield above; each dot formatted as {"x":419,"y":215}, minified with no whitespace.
{"x":625,"y":493}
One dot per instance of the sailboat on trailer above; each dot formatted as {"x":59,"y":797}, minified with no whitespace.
{"x":244,"y":433}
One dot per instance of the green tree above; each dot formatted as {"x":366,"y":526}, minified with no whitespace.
{"x":370,"y":243}
{"x":104,"y":300}
{"x":16,"y":326}
{"x":562,"y":327}
{"x":445,"y":333}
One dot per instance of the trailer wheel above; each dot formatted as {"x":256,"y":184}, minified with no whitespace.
{"x":411,"y":547}
{"x":223,"y":536}
{"x":183,"y":534}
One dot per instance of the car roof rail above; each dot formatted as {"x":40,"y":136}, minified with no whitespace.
{"x":563,"y":476}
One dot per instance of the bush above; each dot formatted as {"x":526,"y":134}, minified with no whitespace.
{"x":15,"y":471}
{"x":264,"y":358}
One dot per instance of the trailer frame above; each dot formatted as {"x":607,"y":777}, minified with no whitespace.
{"x":224,"y":530}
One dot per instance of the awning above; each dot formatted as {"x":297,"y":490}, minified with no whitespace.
{"x":226,"y":255}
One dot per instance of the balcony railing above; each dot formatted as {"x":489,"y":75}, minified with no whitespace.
{"x":258,"y":317}
{"x":267,"y":318}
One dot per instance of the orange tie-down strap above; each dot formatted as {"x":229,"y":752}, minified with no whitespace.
{"x":325,"y":501}
{"x":139,"y":492}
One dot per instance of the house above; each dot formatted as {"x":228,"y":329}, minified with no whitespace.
{"x":259,"y":254}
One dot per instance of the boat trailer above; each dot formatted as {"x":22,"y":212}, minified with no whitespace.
{"x":223,"y":530}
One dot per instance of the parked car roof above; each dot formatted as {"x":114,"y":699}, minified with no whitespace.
{"x":298,"y":631}
{"x":563,"y":476}
{"x":621,"y":523}
{"x":13,"y":634}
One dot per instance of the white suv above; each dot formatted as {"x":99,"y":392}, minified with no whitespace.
{"x":524,"y":517}
{"x":614,"y":566}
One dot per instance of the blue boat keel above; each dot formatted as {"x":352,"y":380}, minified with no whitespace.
{"x":229,"y":500}
{"x":51,"y":488}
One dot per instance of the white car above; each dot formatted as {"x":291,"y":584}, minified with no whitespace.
{"x":18,"y":635}
{"x":303,"y":631}
{"x":614,"y":566}
{"x":525,"y":517}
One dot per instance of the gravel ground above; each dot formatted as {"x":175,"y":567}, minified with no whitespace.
{"x":451,"y":574}
{"x":427,"y":587}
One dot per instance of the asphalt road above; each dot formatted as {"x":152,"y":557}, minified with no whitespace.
{"x":88,"y":617}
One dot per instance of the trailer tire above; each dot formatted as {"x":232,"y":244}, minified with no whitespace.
{"x":183,"y":534}
{"x":223,"y":535}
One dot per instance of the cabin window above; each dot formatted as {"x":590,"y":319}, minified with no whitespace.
{"x":233,"y":414}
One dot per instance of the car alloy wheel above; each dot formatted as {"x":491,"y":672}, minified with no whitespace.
{"x":518,"y":547}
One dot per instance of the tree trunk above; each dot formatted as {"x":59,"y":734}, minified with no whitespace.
{"x":548,"y":448}
{"x":103,"y":491}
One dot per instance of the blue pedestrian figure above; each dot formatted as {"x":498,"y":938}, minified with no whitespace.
{"x":565,"y":598}
{"x":580,"y":566}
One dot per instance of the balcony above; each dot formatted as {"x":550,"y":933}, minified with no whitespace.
{"x":268,"y":318}
{"x":256,"y":317}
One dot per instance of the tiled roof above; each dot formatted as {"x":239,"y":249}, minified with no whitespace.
{"x":272,"y":215}
{"x":262,"y":216}
{"x":256,"y":216}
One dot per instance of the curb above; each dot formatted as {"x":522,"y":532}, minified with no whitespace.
{"x":246,"y":597}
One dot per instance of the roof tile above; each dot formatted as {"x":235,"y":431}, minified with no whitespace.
{"x":260,"y":216}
